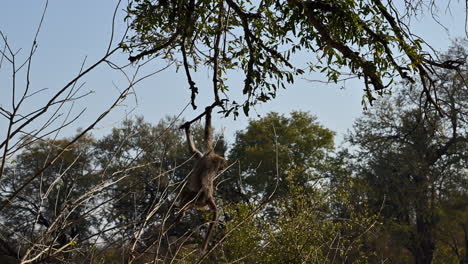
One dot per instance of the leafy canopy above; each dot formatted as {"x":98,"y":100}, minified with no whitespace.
{"x":287,"y":149}
{"x":365,"y":38}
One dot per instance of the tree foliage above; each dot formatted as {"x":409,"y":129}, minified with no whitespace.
{"x":149,"y":156}
{"x":307,"y":229}
{"x":275,"y":150}
{"x":414,"y":162}
{"x":50,"y":207}
{"x":367,"y":39}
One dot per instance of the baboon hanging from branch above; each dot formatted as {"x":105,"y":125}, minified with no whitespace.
{"x":198,"y":192}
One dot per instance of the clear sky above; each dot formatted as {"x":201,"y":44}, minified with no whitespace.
{"x":73,"y":30}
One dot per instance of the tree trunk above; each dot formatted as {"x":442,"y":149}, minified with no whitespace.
{"x":424,"y":253}
{"x":423,"y":244}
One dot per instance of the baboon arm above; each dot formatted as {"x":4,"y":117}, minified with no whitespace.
{"x":191,"y":145}
{"x":208,"y":130}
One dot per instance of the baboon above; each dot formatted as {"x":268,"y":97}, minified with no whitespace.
{"x":198,"y":191}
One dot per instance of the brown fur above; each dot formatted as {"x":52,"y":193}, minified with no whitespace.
{"x":198,"y":192}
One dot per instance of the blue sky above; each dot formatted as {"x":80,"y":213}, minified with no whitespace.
{"x":73,"y":30}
